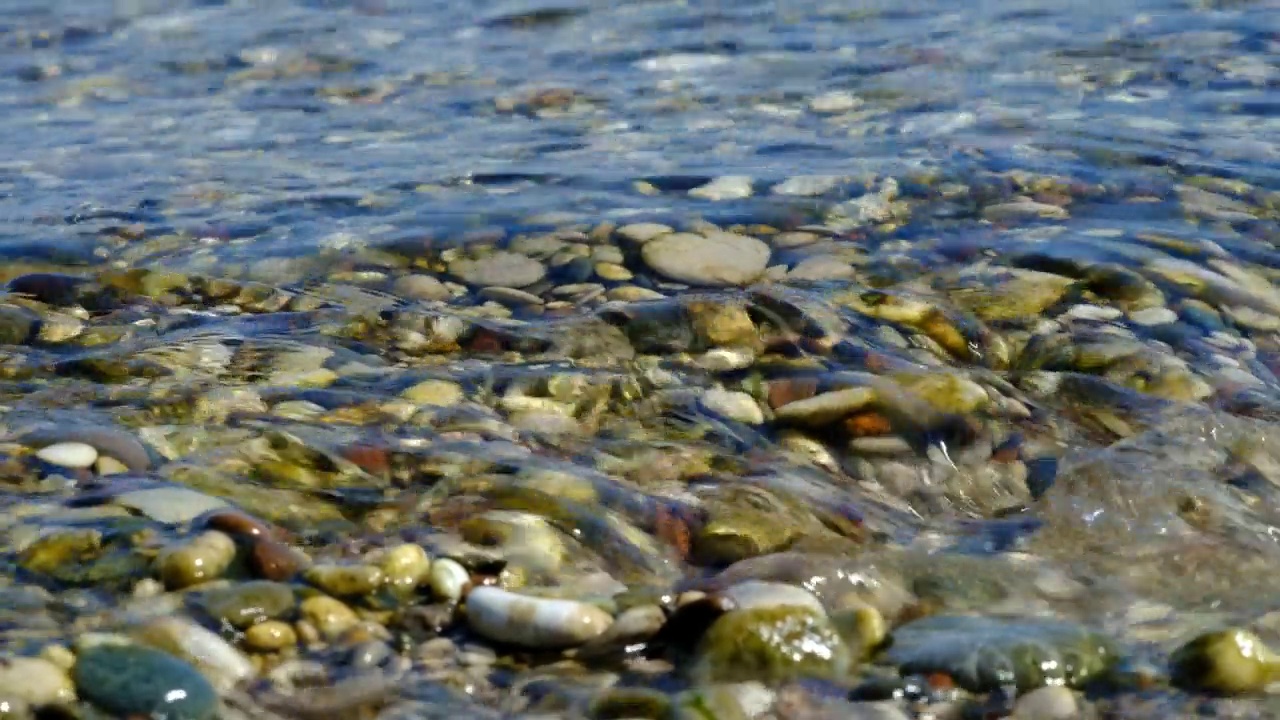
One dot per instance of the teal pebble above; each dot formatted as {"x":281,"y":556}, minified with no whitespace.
{"x":131,"y":680}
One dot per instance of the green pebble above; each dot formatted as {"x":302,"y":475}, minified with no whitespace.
{"x":134,"y":681}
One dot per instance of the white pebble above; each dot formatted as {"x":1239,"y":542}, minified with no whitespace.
{"x":1047,"y":703}
{"x":447,"y":578}
{"x":531,"y":621}
{"x":733,"y":405}
{"x":69,"y":454}
{"x":1154,"y":316}
{"x":728,"y":187}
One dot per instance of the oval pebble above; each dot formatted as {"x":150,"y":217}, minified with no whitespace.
{"x":131,"y":680}
{"x":717,"y":259}
{"x":447,"y":579}
{"x":224,"y":665}
{"x":118,"y":444}
{"x":69,"y":454}
{"x":533,"y":622}
{"x":33,"y":681}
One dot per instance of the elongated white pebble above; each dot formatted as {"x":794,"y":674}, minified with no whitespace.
{"x":533,"y":622}
{"x":69,"y":454}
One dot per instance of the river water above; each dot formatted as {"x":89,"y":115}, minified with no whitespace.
{"x":975,"y":312}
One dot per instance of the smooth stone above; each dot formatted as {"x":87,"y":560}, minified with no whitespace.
{"x":420,"y":287}
{"x":762,"y":593}
{"x":506,"y":269}
{"x":405,"y":565}
{"x":222,"y":664}
{"x":171,"y":504}
{"x":1047,"y":703}
{"x":447,"y":579}
{"x":613,"y":272}
{"x":734,"y":405}
{"x":511,"y":297}
{"x":820,"y":268}
{"x":34,"y":681}
{"x":69,"y":454}
{"x":643,"y":232}
{"x":1023,"y":209}
{"x":118,"y":444}
{"x":827,"y":407}
{"x":346,"y":580}
{"x":533,"y":622}
{"x":109,"y":466}
{"x":197,"y":560}
{"x":137,"y":681}
{"x":771,"y":645}
{"x":1154,"y":316}
{"x":727,"y":187}
{"x":250,"y":602}
{"x":330,"y":616}
{"x":442,"y":393}
{"x":717,"y":259}
{"x":270,"y":636}
{"x":807,"y":185}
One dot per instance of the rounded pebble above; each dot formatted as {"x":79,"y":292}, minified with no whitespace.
{"x":447,"y":579}
{"x":69,"y":454}
{"x":533,"y":622}
{"x":34,"y":681}
{"x":329,"y":616}
{"x":136,"y":681}
{"x":717,"y":259}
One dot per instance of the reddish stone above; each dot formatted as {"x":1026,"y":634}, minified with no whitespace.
{"x":783,"y":392}
{"x":371,"y":458}
{"x":274,"y":560}
{"x":868,"y":424}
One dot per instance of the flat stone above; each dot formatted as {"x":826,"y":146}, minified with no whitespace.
{"x":1023,"y":209}
{"x":643,"y":232}
{"x":827,"y":407}
{"x":137,"y":681}
{"x":717,"y":259}
{"x":505,"y":269}
{"x":420,"y":287}
{"x":728,"y":187}
{"x":511,"y":297}
{"x":169,"y":504}
{"x":807,"y":185}
{"x":734,"y":405}
{"x":820,"y":268}
{"x":33,"y":681}
{"x":119,"y":444}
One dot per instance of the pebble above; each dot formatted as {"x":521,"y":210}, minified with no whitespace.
{"x":760,"y":593}
{"x":727,"y":187}
{"x":807,"y":185}
{"x":346,"y":580}
{"x":510,"y":297}
{"x":532,"y":622}
{"x":643,"y":232}
{"x":34,"y":681}
{"x":69,"y":454}
{"x":441,"y":393}
{"x":172,"y":504}
{"x":118,"y":444}
{"x":221,"y":663}
{"x":198,"y":560}
{"x":136,"y":681}
{"x":827,"y":407}
{"x":420,"y":287}
{"x":613,"y":272}
{"x":734,"y":405}
{"x":250,"y":602}
{"x":1154,"y":316}
{"x":270,"y":636}
{"x":447,"y":579}
{"x":506,"y":269}
{"x":1023,"y":209}
{"x":329,"y":616}
{"x":716,"y":259}
{"x":1047,"y":703}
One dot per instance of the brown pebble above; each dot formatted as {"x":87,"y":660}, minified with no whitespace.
{"x":274,"y":560}
{"x":785,"y":392}
{"x":868,"y":424}
{"x":375,"y":459}
{"x":236,"y":524}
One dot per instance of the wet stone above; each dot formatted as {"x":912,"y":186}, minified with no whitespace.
{"x":129,"y":680}
{"x":506,"y":269}
{"x":716,"y":259}
{"x":247,"y":603}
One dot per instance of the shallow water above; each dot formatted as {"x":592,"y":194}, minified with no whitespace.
{"x":1014,"y":350}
